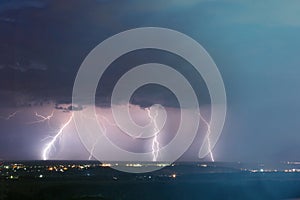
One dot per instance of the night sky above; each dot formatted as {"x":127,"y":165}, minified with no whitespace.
{"x":256,"y":46}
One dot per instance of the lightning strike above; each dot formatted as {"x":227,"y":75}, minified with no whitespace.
{"x":46,"y":151}
{"x":207,"y":137}
{"x":10,"y":116}
{"x":104,"y":131}
{"x":42,"y":118}
{"x":93,"y":148}
{"x":155,"y":142}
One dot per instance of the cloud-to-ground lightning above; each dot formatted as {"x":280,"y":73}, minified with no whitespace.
{"x":93,"y":148}
{"x":49,"y":146}
{"x":97,"y":139}
{"x":10,"y":116}
{"x":155,"y":142}
{"x":100,"y":119}
{"x":40,"y":119}
{"x":104,"y":131}
{"x":207,"y":137}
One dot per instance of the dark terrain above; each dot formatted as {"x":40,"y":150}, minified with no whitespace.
{"x":182,"y":181}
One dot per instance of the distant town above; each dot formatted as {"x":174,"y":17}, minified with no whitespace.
{"x":82,"y":180}
{"x":14,"y":170}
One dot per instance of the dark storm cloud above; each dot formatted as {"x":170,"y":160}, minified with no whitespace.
{"x":43,"y":45}
{"x":68,"y":107}
{"x":23,"y":67}
{"x":8,"y":20}
{"x":48,"y":40}
{"x":6,"y":5}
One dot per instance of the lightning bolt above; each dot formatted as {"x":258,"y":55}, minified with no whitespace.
{"x":207,"y":137}
{"x":49,"y":146}
{"x":93,"y":149}
{"x":155,"y":142}
{"x":42,"y":118}
{"x":10,"y":116}
{"x":103,"y":129}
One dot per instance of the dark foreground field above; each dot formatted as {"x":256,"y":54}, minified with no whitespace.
{"x":220,"y":186}
{"x":188,"y":184}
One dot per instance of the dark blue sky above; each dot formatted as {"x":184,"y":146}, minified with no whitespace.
{"x":255,"y":45}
